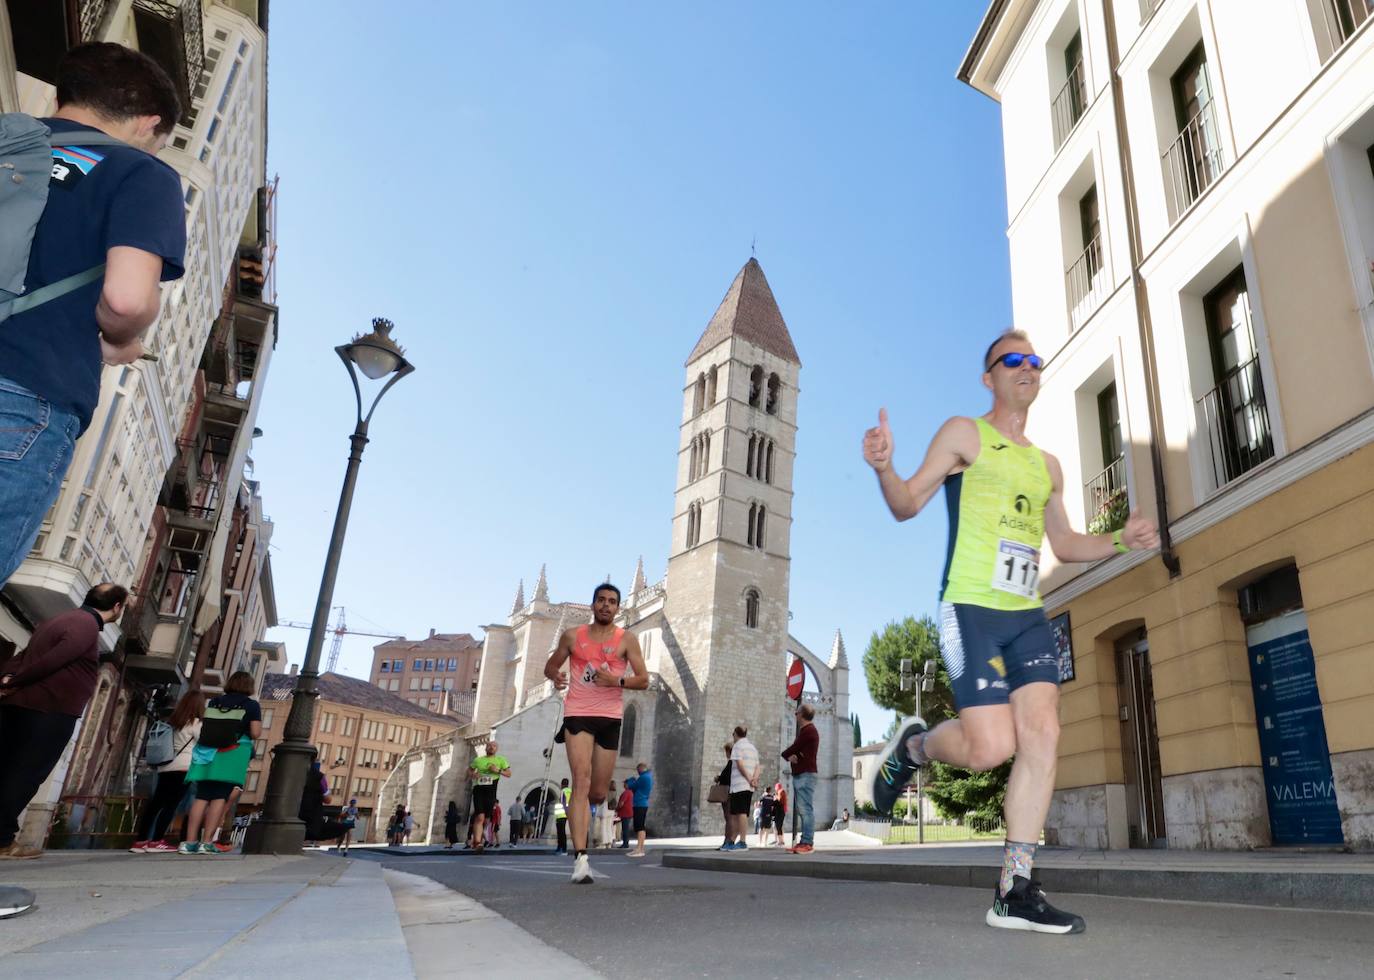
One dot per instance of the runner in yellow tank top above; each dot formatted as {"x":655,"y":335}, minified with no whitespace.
{"x":1004,"y":497}
{"x":607,"y":661}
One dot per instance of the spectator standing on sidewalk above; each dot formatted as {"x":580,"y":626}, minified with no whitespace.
{"x":625,"y":811}
{"x":517,"y":821}
{"x":724,"y":780}
{"x":409,"y":826}
{"x":642,"y":784}
{"x":451,"y":824}
{"x":348,"y":817}
{"x":220,"y":759}
{"x":765,"y":815}
{"x":560,"y":816}
{"x":43,"y":692}
{"x":779,"y":812}
{"x":744,"y":779}
{"x":802,"y":755}
{"x":112,"y":227}
{"x":162,"y":807}
{"x":491,"y":835}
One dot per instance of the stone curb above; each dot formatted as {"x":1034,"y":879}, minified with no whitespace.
{"x":1348,"y":891}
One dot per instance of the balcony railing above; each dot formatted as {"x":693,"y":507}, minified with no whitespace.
{"x":90,"y":14}
{"x":1069,"y":105}
{"x":1193,"y":161}
{"x":1107,"y":499}
{"x":169,"y":32}
{"x":1083,"y":281}
{"x":1341,"y":19}
{"x":1148,"y":8}
{"x":1235,"y":419}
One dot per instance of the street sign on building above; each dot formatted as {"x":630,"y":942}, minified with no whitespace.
{"x":796,"y":677}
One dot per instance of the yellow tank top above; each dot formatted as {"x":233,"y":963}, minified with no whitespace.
{"x":996,"y":525}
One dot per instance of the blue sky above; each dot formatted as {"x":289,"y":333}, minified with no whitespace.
{"x":550,"y":200}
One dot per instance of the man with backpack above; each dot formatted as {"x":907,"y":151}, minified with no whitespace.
{"x":43,"y":691}
{"x":90,"y":224}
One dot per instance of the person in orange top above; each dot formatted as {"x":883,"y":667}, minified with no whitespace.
{"x":602,"y":656}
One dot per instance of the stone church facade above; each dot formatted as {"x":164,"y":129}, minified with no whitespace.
{"x":714,"y":632}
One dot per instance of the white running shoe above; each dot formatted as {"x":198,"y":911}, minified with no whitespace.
{"x":582,"y":871}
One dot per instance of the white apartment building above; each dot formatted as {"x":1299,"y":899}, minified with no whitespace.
{"x":97,"y":529}
{"x":1190,"y":194}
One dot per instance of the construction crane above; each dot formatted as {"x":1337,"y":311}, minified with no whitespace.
{"x":340,"y":630}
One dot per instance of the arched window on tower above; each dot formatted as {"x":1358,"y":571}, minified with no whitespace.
{"x":749,"y":462}
{"x":774,"y":390}
{"x":711,"y":386}
{"x":699,"y":395}
{"x":751,"y":609}
{"x":706,"y":452}
{"x":755,"y":386}
{"x":758,"y":533}
{"x":753,"y":517}
{"x":693,"y":524}
{"x":694,"y":461}
{"x":768,"y":464}
{"x":627,"y":732}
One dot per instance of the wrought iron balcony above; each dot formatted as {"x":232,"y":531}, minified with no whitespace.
{"x":1234,"y":418}
{"x":1340,"y":20}
{"x":1193,"y":161}
{"x":1107,"y":502}
{"x":1083,"y":281}
{"x":43,"y":32}
{"x":1069,"y":105}
{"x":169,"y":32}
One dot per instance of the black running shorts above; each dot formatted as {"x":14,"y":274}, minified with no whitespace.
{"x":606,"y":731}
{"x":641,"y":812}
{"x":739,"y":802}
{"x":483,"y":799}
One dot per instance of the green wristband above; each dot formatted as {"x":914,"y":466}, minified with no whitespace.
{"x":1121,"y":547}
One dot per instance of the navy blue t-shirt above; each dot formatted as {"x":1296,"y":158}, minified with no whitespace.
{"x":97,"y":198}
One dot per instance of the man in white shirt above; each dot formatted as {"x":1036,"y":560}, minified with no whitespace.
{"x":744,"y":779}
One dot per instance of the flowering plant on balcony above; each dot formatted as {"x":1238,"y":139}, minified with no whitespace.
{"x":1111,"y":516}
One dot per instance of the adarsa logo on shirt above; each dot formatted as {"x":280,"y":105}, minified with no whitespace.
{"x":1012,"y":523}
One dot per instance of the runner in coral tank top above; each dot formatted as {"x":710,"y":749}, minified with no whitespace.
{"x":600,"y":656}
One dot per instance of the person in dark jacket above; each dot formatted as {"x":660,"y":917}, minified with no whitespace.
{"x":724,"y":780}
{"x":43,"y":691}
{"x":451,"y":825}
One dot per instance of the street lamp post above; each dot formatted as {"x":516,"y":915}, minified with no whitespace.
{"x":280,"y":831}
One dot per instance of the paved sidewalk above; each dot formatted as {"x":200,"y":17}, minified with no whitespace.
{"x":108,"y":913}
{"x":1296,"y":879}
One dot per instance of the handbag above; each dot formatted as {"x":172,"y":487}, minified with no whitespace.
{"x":719,"y":793}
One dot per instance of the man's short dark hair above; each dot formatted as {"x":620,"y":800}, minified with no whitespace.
{"x":741,"y":731}
{"x":117,"y":82}
{"x":605,"y":587}
{"x":562,"y":784}
{"x":239,"y":682}
{"x":106,"y":596}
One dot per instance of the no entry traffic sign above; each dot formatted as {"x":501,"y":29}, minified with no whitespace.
{"x":796,"y":675}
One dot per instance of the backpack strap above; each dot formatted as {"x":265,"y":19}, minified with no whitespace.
{"x":54,"y":290}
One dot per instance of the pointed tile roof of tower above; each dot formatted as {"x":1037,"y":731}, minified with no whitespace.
{"x":749,"y":312}
{"x":519,"y":598}
{"x":838,"y":660}
{"x":639,"y":583}
{"x":541,"y":588}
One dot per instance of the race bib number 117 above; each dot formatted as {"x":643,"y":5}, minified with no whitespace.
{"x":1017,"y":569}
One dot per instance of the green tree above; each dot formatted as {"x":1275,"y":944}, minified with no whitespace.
{"x":858,"y":733}
{"x":956,"y":793}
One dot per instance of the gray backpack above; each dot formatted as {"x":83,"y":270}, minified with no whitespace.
{"x":25,"y":168}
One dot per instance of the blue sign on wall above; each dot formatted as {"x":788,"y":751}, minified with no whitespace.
{"x":1298,"y":784}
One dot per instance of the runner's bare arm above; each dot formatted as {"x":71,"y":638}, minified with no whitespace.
{"x":553,"y":669}
{"x":640,"y":680}
{"x":954,"y":447}
{"x":1069,"y":545}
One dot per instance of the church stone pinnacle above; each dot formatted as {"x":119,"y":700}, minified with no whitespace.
{"x":541,"y":588}
{"x":639,"y":584}
{"x":519,"y":598}
{"x":838,"y":660}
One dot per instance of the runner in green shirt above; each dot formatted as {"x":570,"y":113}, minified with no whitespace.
{"x":484,"y":773}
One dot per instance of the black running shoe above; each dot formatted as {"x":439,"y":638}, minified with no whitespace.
{"x":1025,"y":907}
{"x":895,"y":768}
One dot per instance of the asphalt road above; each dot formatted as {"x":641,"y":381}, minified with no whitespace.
{"x":642,"y":920}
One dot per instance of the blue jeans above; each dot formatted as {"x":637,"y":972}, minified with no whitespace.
{"x":36,"y":441}
{"x":804,"y":794}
